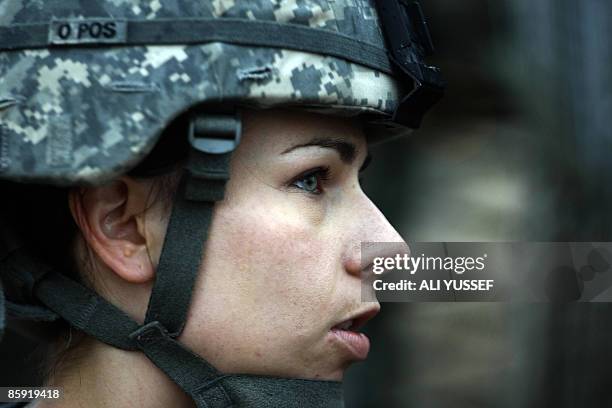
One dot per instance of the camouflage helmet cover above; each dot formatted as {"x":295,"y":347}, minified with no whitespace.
{"x":82,"y":115}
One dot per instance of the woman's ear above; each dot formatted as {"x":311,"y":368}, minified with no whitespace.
{"x":111,"y":219}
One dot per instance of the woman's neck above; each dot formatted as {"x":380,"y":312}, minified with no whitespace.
{"x":104,"y":376}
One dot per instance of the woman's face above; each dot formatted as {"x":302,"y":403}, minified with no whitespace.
{"x":282,"y":266}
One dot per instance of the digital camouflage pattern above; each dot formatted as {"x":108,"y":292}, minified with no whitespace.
{"x":85,"y":115}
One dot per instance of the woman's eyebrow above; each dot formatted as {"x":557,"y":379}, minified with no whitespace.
{"x":346,"y":150}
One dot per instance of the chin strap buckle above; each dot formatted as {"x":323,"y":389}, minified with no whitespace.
{"x":215,"y":133}
{"x":213,"y":137}
{"x":194,"y":375}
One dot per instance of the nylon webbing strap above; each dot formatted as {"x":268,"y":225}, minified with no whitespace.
{"x":192,"y":373}
{"x":195,"y":31}
{"x":86,"y":310}
{"x":203,"y":184}
{"x":35,"y":313}
{"x":179,"y":261}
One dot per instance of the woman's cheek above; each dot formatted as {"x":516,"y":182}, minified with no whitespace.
{"x":277,"y":253}
{"x":284,"y":253}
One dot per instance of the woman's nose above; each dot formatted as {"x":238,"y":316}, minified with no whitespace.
{"x":377,"y":238}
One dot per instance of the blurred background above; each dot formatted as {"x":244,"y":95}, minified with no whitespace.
{"x":517,"y":151}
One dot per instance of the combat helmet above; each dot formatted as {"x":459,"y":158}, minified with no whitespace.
{"x":87,"y":88}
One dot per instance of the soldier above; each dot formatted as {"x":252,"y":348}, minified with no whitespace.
{"x":186,"y":214}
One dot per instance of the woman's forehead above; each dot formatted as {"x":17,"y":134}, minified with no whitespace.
{"x":280,"y":130}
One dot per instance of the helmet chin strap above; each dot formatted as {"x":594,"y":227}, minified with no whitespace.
{"x":213,"y":138}
{"x":212,"y":389}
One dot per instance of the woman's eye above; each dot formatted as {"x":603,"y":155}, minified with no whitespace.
{"x":312,"y":182}
{"x":309,"y":183}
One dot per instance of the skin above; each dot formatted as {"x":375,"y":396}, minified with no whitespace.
{"x":281,"y":266}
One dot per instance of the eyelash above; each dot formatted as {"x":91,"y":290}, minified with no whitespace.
{"x":322,"y":174}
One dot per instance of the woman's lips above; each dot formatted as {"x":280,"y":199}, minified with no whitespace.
{"x":356,"y":343}
{"x":346,"y":334}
